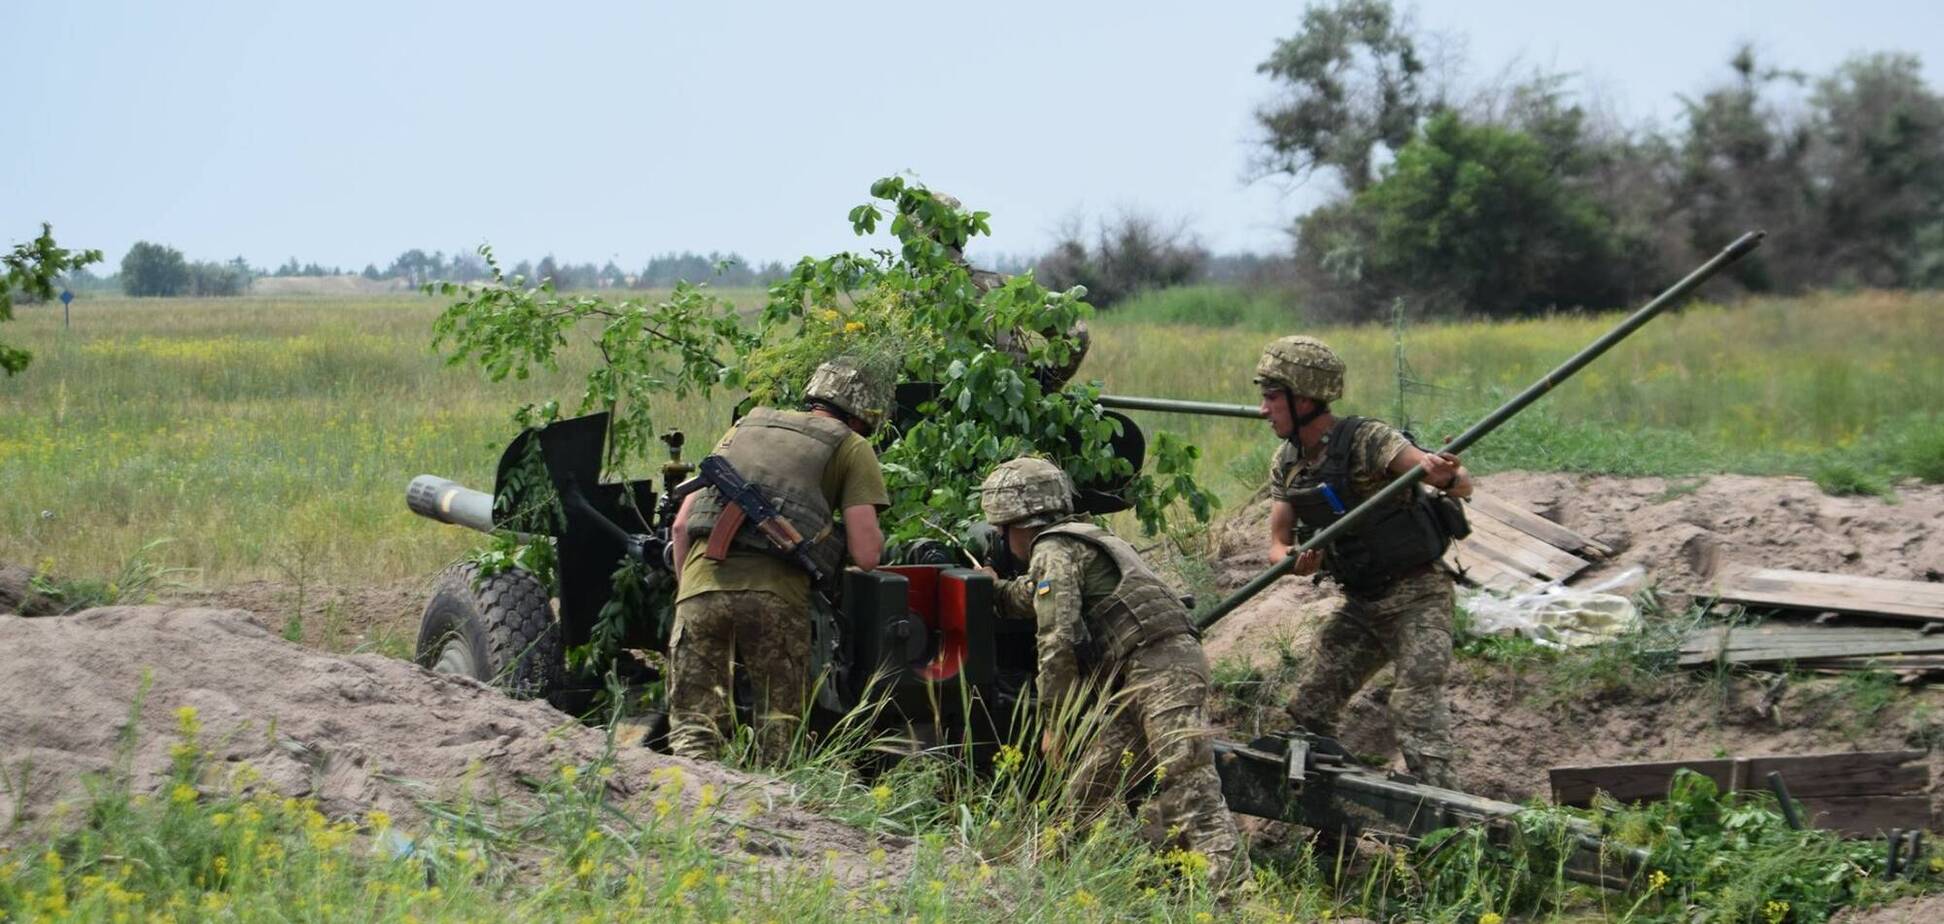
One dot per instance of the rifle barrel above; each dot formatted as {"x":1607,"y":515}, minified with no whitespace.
{"x":1175,"y":406}
{"x":1735,"y":251}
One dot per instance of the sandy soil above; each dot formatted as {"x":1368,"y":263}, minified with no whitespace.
{"x":355,"y":733}
{"x":1922,"y":909}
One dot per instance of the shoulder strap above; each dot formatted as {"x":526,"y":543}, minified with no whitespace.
{"x":1336,"y":457}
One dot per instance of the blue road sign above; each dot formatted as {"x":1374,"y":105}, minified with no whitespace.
{"x":66,"y":296}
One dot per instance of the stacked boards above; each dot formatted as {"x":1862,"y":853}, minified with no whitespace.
{"x":1512,"y":549}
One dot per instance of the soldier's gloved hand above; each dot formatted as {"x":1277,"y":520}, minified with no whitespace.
{"x":1308,"y":562}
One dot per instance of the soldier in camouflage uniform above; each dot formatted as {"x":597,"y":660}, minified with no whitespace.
{"x":751,"y":606}
{"x":1015,"y":343}
{"x":1115,"y":643}
{"x":1397,"y":601}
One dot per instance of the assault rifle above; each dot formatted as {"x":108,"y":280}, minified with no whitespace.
{"x":742,"y":501}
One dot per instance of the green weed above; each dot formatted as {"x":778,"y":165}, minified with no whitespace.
{"x":1843,"y":478}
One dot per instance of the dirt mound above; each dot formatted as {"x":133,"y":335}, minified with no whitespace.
{"x":380,"y":616}
{"x":1919,"y":909}
{"x":355,"y":733}
{"x":1691,"y":533}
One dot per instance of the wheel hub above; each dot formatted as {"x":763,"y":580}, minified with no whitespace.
{"x":456,"y":657}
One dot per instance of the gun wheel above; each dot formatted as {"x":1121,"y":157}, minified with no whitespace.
{"x":497,"y":629}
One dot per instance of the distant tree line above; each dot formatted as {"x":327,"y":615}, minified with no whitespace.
{"x":158,"y":270}
{"x":1521,"y":200}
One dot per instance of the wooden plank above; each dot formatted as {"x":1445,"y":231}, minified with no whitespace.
{"x":1551,"y":562}
{"x":1859,"y":774}
{"x":1636,"y":782}
{"x":1870,"y":596}
{"x":1488,"y":552}
{"x":1486,"y":573}
{"x":1533,"y":524}
{"x":1826,"y":777}
{"x":1874,"y":588}
{"x":1512,"y":554}
{"x":1868,"y":816}
{"x":1778,"y":655}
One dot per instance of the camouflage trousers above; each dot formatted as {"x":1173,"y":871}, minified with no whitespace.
{"x":1408,"y":627}
{"x":1158,"y":723}
{"x":760,"y":634}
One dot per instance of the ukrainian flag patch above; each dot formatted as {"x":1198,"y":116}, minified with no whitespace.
{"x":1043,"y":588}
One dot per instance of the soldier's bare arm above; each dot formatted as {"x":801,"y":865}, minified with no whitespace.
{"x":1442,"y":470}
{"x":864,"y":538}
{"x":678,"y":534}
{"x":1282,"y":530}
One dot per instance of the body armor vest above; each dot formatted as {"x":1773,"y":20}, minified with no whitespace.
{"x":1141,"y":609}
{"x":784,"y":454}
{"x":1389,"y":543}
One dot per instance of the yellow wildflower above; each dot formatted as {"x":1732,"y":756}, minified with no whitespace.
{"x":1490,"y":917}
{"x":378,"y":820}
{"x":188,"y":722}
{"x":1775,"y":911}
{"x":585,"y":868}
{"x":690,"y":880}
{"x":1008,"y":760}
{"x":852,"y":327}
{"x":881,"y":794}
{"x":182,"y":794}
{"x":1084,"y":899}
{"x":1656,"y":881}
{"x":568,"y":773}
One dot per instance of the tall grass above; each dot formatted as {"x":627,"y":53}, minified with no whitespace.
{"x":247,"y":429}
{"x":214,"y":842}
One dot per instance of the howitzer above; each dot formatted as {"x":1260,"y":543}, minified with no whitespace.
{"x":926,"y":636}
{"x":1309,"y":780}
{"x":1407,"y":481}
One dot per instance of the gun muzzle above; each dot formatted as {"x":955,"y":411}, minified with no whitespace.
{"x":450,"y":502}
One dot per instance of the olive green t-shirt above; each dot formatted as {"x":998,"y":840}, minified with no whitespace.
{"x":851,"y":478}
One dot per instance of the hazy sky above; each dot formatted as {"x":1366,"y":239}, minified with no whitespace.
{"x":349,"y":131}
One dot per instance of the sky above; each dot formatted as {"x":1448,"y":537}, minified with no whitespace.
{"x":347,"y":132}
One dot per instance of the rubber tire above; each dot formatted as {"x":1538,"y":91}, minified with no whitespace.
{"x":503,"y":625}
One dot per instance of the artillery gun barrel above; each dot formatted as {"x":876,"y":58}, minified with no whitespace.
{"x":450,"y":502}
{"x":1405,"y":482}
{"x":1173,"y":406}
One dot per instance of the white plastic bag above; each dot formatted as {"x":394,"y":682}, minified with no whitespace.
{"x":1557,"y":616}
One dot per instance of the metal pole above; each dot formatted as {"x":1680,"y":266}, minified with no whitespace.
{"x":1172,"y":406}
{"x":1735,"y":251}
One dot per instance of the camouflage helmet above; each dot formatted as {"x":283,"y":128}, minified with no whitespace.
{"x":1306,"y":366}
{"x":1026,"y":492}
{"x":848,"y":387}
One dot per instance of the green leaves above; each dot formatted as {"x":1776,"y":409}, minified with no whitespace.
{"x":31,"y":269}
{"x":671,"y":346}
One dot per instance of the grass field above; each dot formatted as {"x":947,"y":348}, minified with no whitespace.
{"x":266,"y":436}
